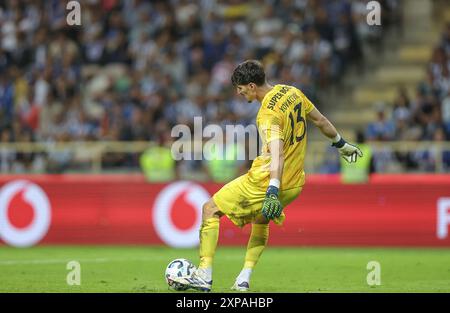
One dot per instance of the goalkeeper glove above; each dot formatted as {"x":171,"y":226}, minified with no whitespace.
{"x":271,"y":206}
{"x":349,"y":152}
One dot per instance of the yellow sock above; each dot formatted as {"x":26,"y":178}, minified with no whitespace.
{"x":256,"y":244}
{"x":209,"y":234}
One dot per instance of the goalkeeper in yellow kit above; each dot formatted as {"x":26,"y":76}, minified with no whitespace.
{"x":276,"y":177}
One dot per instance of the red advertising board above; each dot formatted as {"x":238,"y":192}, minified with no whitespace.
{"x":391,"y":210}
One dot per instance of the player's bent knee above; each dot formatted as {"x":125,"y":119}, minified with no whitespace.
{"x":210,"y":210}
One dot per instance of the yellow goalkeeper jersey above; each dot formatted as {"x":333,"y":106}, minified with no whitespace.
{"x":282,"y":116}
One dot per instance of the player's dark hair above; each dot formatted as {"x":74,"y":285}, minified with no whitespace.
{"x":250,"y":71}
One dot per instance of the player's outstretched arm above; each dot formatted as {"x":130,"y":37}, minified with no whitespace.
{"x":272,"y":207}
{"x":348,"y":151}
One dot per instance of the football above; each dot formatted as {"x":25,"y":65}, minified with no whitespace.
{"x":178,"y":268}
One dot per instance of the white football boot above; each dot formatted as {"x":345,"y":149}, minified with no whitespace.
{"x":242,"y":282}
{"x":199,"y":280}
{"x":243,"y":286}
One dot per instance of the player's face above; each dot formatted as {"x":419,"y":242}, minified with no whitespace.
{"x":248,"y":91}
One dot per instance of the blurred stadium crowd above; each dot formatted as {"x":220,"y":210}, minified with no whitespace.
{"x":133,"y":69}
{"x":424,"y":116}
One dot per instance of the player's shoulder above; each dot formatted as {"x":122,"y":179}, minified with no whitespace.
{"x":274,"y":96}
{"x":284,"y":89}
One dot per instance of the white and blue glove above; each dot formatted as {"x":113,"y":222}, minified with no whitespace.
{"x":349,"y":152}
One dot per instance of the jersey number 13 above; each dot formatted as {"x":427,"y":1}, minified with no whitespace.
{"x":297,"y":121}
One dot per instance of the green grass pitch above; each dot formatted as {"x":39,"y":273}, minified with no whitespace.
{"x":141,"y":268}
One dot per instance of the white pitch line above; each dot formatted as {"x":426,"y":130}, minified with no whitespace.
{"x":95,"y":260}
{"x":56,"y":261}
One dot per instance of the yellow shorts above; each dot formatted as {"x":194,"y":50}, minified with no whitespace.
{"x":241,"y":201}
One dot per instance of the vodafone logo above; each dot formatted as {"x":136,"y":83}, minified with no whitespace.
{"x":33,"y":196}
{"x":191,"y":194}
